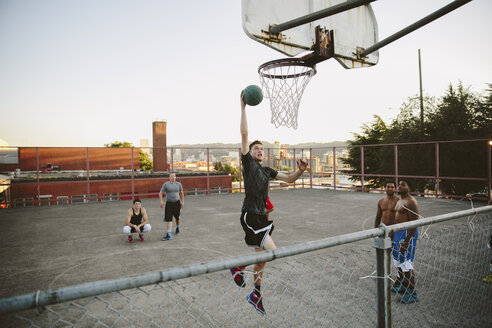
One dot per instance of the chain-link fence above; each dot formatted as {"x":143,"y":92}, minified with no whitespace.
{"x":326,"y":283}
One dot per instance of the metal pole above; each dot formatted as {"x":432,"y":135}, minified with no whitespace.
{"x":334,"y":169}
{"x":421,"y":101}
{"x":362,"y":168}
{"x":172,"y":159}
{"x":490,"y":168}
{"x":294,"y":165}
{"x":208,"y":171}
{"x":88,"y":181}
{"x":276,"y":29}
{"x":396,"y":164}
{"x":311,"y":166}
{"x":437,"y":170}
{"x":133,"y":175}
{"x":383,"y":253}
{"x":37,"y":177}
{"x":426,"y":20}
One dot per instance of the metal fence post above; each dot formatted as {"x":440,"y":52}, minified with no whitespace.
{"x":383,"y":256}
{"x":437,"y":169}
{"x":133,"y":175}
{"x":88,"y":174}
{"x":362,"y":168}
{"x":208,"y":171}
{"x":38,"y":189}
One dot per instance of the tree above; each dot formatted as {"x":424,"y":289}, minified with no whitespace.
{"x":227,"y":169}
{"x":459,"y":114}
{"x":462,"y":115}
{"x":119,"y":144}
{"x":144,"y":158}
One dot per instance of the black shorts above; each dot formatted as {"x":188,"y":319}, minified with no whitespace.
{"x":256,"y":227}
{"x":172,"y":209}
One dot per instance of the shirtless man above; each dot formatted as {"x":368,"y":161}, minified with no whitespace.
{"x":386,"y":206}
{"x":404,"y":244}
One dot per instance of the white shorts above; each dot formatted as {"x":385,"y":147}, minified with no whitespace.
{"x":127,"y":230}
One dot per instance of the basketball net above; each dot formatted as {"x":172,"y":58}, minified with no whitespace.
{"x":284,"y":81}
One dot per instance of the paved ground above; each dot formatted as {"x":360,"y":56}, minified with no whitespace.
{"x":51,"y":247}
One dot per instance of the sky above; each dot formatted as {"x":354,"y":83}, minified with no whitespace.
{"x":85,"y":73}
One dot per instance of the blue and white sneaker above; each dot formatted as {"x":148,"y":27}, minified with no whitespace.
{"x":409,"y":297}
{"x":167,"y":237}
{"x":398,"y":289}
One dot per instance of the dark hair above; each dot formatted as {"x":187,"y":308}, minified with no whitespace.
{"x":137,"y":200}
{"x":408,"y":184}
{"x":392,"y":182}
{"x":256,"y":142}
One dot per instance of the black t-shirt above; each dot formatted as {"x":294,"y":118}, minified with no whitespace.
{"x":256,"y":180}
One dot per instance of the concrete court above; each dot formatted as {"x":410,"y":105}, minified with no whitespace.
{"x":51,"y":247}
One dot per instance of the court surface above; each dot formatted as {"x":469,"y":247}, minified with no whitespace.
{"x":55,"y":246}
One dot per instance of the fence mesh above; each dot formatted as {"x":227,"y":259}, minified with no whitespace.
{"x":334,"y":287}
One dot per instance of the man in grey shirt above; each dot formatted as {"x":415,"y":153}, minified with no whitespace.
{"x":173,"y":191}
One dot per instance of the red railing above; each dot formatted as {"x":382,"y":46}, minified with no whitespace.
{"x":326,"y":171}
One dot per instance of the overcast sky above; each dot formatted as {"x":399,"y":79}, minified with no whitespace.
{"x":85,"y":73}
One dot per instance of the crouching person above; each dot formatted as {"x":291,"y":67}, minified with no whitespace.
{"x":136,"y":221}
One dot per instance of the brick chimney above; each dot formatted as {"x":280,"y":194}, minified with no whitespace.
{"x":159,"y":144}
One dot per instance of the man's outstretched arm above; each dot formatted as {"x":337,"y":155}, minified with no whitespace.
{"x":244,"y":128}
{"x":289,"y":178}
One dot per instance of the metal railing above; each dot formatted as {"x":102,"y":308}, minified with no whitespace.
{"x":326,"y":170}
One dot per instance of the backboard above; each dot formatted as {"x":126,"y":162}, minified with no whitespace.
{"x":351,"y":31}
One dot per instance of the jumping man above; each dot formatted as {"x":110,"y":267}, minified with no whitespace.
{"x":256,"y":226}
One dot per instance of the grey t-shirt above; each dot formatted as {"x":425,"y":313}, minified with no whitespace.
{"x":172,"y":191}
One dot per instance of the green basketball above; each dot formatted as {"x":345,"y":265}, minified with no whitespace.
{"x":252,"y":95}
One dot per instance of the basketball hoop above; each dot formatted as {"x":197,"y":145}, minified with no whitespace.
{"x":284,"y":81}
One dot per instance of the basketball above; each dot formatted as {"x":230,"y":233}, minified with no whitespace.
{"x":252,"y":95}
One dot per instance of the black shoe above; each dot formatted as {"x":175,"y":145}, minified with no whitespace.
{"x":257,"y":302}
{"x":177,"y":230}
{"x":237,"y":274}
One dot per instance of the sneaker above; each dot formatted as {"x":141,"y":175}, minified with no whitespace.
{"x":488,"y":278}
{"x":409,"y":297}
{"x":237,"y":274}
{"x":141,"y":236}
{"x":256,"y":302}
{"x":167,"y":237}
{"x":130,"y":239}
{"x":398,"y":289}
{"x":177,"y":230}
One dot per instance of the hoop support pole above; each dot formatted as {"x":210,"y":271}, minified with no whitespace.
{"x":424,"y":21}
{"x":276,"y":29}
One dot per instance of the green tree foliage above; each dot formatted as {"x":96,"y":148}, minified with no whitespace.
{"x":144,"y":158}
{"x":227,"y":169}
{"x":146,"y":163}
{"x":459,"y":115}
{"x":118,"y":144}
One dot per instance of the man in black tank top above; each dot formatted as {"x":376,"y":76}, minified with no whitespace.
{"x":136,"y":221}
{"x":257,"y":228}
